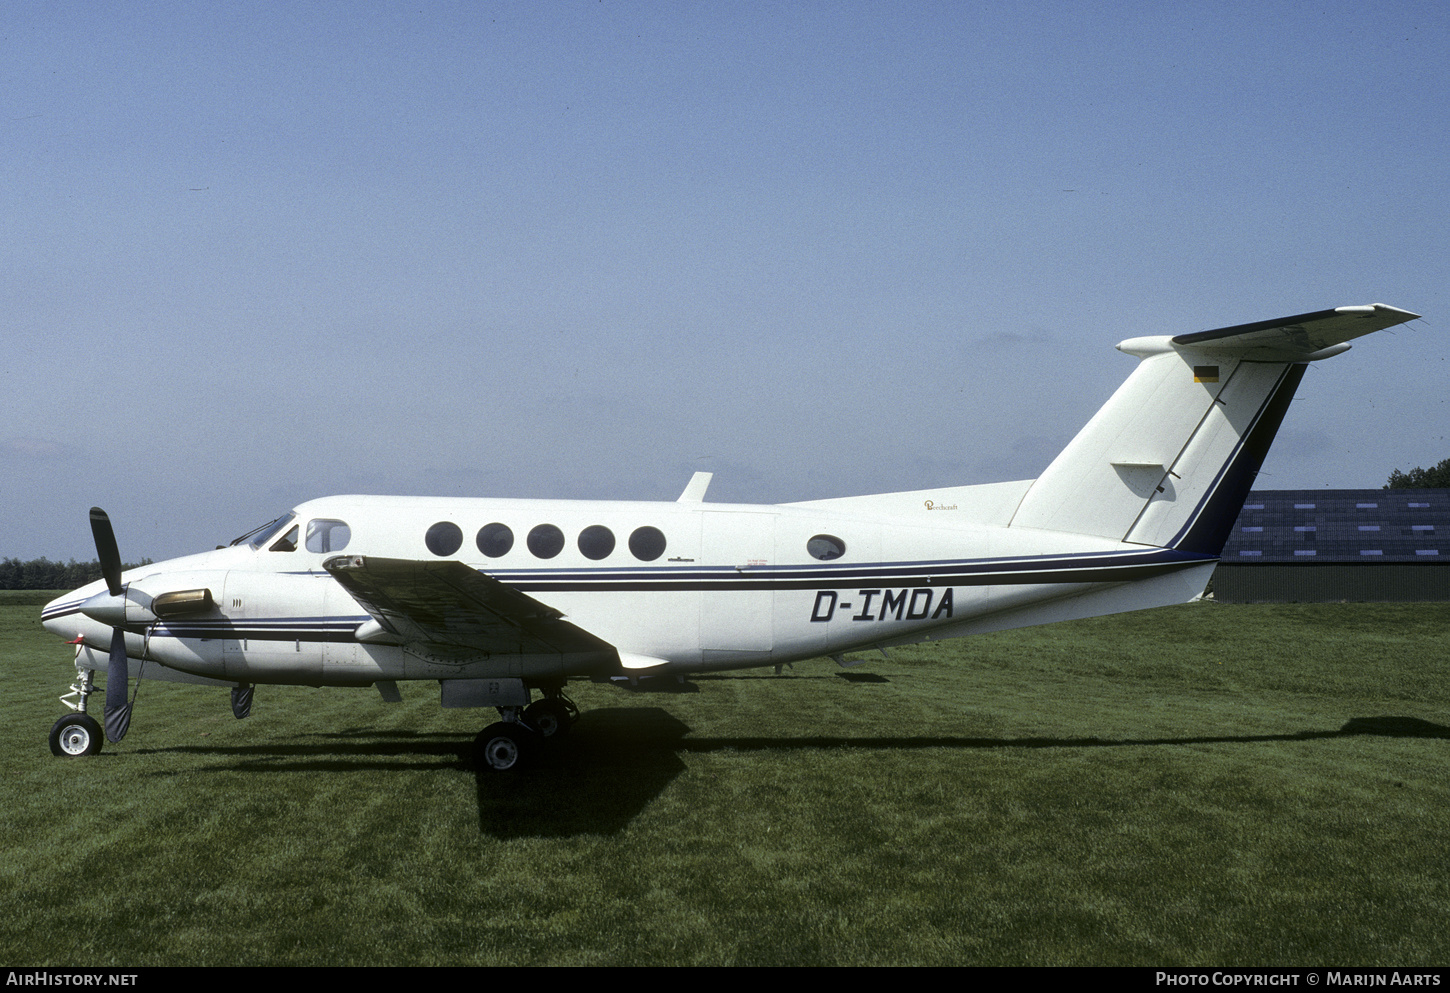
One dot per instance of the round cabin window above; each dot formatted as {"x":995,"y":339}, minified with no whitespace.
{"x":495,"y":539}
{"x":647,"y":543}
{"x":444,"y":538}
{"x":596,"y":541}
{"x":546,"y":541}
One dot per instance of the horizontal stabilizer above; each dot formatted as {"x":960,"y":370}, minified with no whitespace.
{"x":1302,"y":335}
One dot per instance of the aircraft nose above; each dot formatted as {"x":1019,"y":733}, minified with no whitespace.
{"x":63,"y":616}
{"x":58,"y":618}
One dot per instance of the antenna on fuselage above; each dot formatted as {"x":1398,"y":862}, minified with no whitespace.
{"x":696,"y":487}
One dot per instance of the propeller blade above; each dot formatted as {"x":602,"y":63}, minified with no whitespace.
{"x":242,"y":701}
{"x":118,"y":711}
{"x":107,"y":550}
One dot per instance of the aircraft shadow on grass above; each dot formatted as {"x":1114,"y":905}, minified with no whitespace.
{"x":618,"y":760}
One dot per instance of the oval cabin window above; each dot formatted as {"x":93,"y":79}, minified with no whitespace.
{"x":826,"y":547}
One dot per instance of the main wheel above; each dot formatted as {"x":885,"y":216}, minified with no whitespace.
{"x":505,"y":747}
{"x":551,"y":717}
{"x":76,"y":734}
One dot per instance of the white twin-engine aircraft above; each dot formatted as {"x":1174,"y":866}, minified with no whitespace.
{"x":496,"y":599}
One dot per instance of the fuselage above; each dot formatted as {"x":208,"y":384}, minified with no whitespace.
{"x":674,"y":587}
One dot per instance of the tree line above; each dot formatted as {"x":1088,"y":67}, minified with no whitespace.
{"x":1434,"y":478}
{"x":43,"y":574}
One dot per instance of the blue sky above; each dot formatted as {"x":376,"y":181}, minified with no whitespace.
{"x":259,"y":253}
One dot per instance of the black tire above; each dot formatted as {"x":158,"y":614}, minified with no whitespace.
{"x":552,"y":718}
{"x":75,"y":735}
{"x":505,"y":747}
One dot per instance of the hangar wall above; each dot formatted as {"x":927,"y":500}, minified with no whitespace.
{"x":1328,"y":545}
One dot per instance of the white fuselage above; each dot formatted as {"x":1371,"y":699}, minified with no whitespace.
{"x":734,"y":586}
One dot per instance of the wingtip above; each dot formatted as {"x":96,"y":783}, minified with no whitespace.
{"x":1405,"y":315}
{"x":1378,"y":309}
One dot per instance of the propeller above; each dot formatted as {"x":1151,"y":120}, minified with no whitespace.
{"x":118,"y":710}
{"x":118,"y":605}
{"x":107,"y":550}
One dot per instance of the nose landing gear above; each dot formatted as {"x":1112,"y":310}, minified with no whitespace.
{"x":79,"y":733}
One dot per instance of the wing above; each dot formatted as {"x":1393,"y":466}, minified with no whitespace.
{"x":451,"y":612}
{"x":1302,"y":334}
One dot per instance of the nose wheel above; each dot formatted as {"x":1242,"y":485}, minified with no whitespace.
{"x":75,"y":735}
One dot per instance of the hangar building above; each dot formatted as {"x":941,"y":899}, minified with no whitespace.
{"x":1330,"y":545}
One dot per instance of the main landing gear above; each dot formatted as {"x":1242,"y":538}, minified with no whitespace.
{"x":514,"y":742}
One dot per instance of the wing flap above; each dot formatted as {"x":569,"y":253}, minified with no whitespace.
{"x":450,"y":609}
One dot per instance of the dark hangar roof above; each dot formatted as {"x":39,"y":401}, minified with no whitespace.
{"x":1360,"y":526}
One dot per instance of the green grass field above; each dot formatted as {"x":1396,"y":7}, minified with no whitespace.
{"x":1206,"y":784}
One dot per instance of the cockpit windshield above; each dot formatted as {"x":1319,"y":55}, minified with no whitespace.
{"x":259,"y":536}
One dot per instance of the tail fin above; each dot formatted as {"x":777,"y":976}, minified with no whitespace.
{"x":1169,"y":459}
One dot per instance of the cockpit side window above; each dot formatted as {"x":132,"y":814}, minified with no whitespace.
{"x":286,"y":543}
{"x":324,"y":535}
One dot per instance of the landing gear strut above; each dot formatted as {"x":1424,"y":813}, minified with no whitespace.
{"x":78,"y":733}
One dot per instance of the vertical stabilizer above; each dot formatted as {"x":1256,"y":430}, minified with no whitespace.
{"x":1169,"y":458}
